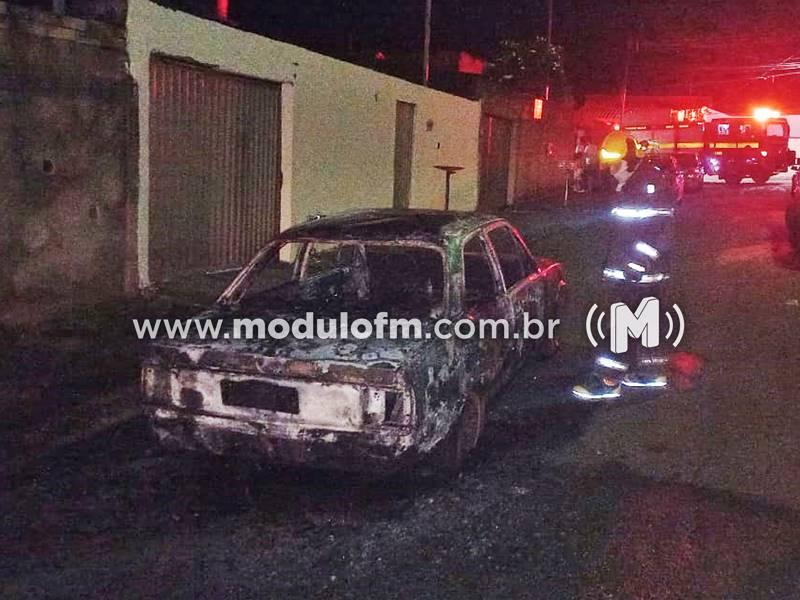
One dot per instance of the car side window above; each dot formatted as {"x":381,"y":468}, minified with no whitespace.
{"x":515,"y":263}
{"x":324,"y":257}
{"x":479,"y":280}
{"x":528,"y":263}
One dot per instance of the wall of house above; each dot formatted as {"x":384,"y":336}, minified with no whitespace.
{"x":538,"y":146}
{"x":65,"y":99}
{"x":540,"y":149}
{"x":338,"y":120}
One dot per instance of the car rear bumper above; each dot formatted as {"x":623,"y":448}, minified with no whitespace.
{"x":379,"y":451}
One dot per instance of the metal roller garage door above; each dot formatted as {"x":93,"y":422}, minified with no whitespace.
{"x":214,"y":167}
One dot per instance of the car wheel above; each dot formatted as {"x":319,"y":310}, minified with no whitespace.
{"x":462,"y":437}
{"x":793,"y":225}
{"x":732,"y":179}
{"x":794,"y":239}
{"x":549,"y":347}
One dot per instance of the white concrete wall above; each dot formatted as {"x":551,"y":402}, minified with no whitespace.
{"x":338,"y":120}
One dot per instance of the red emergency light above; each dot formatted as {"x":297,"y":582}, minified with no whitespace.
{"x":763,"y":114}
{"x":470,"y":64}
{"x":222,"y":9}
{"x":538,"y":109}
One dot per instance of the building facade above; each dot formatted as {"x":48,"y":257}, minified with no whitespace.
{"x":155,"y":144}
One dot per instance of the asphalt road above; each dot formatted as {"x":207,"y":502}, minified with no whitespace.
{"x":687,"y":493}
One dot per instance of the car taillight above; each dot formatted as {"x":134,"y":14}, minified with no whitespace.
{"x":387,"y":407}
{"x":393,"y":412}
{"x":156,"y":385}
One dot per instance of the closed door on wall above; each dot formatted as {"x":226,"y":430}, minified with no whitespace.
{"x":214,"y":167}
{"x":496,"y":135}
{"x":403,"y":153}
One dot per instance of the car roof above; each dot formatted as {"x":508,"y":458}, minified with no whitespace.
{"x":380,"y":225}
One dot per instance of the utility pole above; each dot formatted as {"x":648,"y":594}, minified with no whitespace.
{"x":625,"y":77}
{"x":426,"y":51}
{"x":549,"y":43}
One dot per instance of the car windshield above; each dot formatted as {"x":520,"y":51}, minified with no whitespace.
{"x":330,"y":276}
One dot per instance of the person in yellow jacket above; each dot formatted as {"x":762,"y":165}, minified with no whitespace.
{"x":619,"y":155}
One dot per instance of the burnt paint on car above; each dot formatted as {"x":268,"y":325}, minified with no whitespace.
{"x":431,"y":378}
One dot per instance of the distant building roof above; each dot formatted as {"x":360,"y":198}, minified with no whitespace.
{"x":639,"y":110}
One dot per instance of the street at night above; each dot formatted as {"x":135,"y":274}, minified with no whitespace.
{"x":680,"y":493}
{"x":428,"y":299}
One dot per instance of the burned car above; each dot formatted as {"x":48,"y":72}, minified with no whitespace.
{"x":367,"y":404}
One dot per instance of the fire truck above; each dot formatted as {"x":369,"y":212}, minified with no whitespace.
{"x":739,"y":147}
{"x":731,"y":148}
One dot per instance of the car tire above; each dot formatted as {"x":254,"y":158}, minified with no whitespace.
{"x":794,"y":239}
{"x":462,"y":437}
{"x":547,"y":347}
{"x":793,"y":225}
{"x":761,"y":179}
{"x":733,"y":179}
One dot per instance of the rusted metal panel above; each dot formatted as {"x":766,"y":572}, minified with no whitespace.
{"x":214,"y":167}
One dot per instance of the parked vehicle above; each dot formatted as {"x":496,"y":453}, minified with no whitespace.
{"x":691,"y":167}
{"x":793,"y":212}
{"x":739,"y":147}
{"x":357,"y":404}
{"x":731,"y":148}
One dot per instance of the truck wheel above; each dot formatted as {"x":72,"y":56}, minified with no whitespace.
{"x":761,"y":179}
{"x":462,"y":437}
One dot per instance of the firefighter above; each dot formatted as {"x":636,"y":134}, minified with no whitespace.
{"x":637,"y":262}
{"x":617,"y":159}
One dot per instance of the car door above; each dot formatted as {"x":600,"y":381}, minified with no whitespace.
{"x":484,"y":299}
{"x":524,"y":287}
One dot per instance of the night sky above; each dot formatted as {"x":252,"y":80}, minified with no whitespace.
{"x":706,"y":47}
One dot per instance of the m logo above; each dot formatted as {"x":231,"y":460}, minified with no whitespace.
{"x":643,"y":324}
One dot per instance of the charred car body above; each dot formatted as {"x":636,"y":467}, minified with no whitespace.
{"x":366,"y":404}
